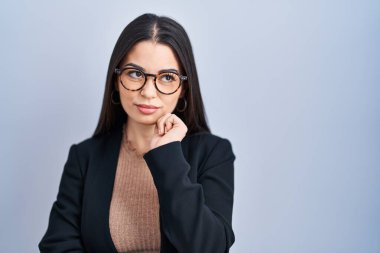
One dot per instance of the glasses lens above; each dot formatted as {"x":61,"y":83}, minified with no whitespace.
{"x":133,"y":79}
{"x":167,"y":82}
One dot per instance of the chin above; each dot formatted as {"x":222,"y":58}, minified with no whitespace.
{"x":145,"y":119}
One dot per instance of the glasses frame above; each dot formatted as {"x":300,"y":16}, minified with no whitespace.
{"x":118,"y":71}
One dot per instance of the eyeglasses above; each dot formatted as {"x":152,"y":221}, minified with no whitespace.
{"x":134,"y":79}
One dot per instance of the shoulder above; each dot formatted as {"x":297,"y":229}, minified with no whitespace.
{"x":208,"y":146}
{"x":97,"y":146}
{"x":201,"y":145}
{"x":89,"y":143}
{"x":206,"y":139}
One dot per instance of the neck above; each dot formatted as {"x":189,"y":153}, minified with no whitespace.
{"x":140,"y":135}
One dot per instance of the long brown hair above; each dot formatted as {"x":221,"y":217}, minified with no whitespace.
{"x":166,"y":31}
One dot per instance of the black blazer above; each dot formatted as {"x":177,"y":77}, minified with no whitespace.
{"x":195,"y":184}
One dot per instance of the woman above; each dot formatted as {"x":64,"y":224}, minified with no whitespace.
{"x":152,"y":178}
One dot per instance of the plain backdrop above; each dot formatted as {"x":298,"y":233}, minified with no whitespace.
{"x":293,"y":84}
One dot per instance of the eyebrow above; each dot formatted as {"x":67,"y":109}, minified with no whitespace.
{"x":159,"y":72}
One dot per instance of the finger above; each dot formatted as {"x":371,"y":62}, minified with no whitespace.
{"x":160,"y":123}
{"x":169,"y":123}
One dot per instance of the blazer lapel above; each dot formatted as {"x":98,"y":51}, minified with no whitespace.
{"x":99,"y":189}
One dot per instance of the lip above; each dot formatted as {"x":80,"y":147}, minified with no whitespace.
{"x":147,"y":109}
{"x":147,"y":106}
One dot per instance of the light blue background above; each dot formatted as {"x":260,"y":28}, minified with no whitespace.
{"x":293,"y":84}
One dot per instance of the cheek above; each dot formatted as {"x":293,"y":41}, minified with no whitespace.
{"x":126,"y":101}
{"x":170,"y":104}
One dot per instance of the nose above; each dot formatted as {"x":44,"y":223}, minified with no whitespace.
{"x":149,"y":89}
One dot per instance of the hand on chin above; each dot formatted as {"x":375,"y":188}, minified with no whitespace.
{"x":168,"y":128}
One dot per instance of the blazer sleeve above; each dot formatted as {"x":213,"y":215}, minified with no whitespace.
{"x":63,"y":232}
{"x":196,"y":217}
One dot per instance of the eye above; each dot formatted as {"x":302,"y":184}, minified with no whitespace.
{"x":168,"y":77}
{"x":134,"y":74}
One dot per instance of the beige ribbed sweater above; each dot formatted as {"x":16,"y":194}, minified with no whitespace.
{"x":134,"y":212}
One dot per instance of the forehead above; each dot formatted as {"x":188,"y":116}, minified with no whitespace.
{"x":152,"y":56}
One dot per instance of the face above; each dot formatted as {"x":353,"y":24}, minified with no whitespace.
{"x":152,"y":57}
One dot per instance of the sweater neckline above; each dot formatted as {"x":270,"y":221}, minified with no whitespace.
{"x":129,"y":145}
